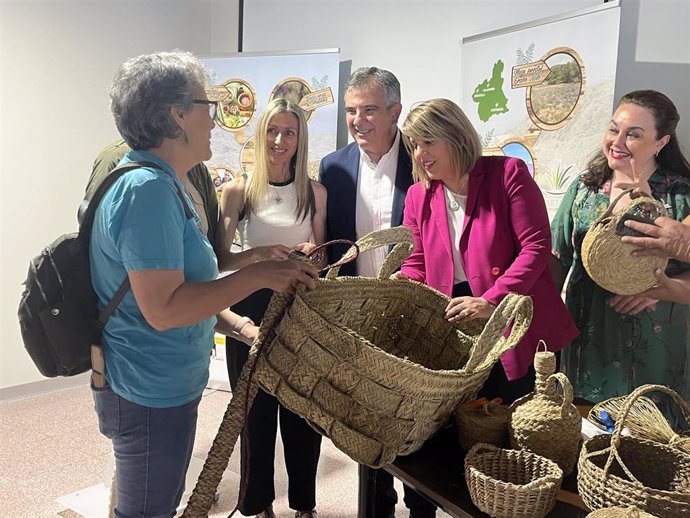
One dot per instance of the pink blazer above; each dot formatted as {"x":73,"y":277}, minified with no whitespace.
{"x":504,"y":248}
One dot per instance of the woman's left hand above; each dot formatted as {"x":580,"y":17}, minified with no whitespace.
{"x":632,"y":304}
{"x":468,"y":308}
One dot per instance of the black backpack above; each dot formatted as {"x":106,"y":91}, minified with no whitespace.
{"x":58,"y":311}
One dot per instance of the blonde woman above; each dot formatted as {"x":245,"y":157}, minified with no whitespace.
{"x":481,"y":231}
{"x":276,"y":208}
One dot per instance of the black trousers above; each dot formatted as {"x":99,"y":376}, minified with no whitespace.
{"x":386,"y":497}
{"x":302,"y":445}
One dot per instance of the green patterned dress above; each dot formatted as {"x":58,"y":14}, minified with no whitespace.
{"x":616,"y":353}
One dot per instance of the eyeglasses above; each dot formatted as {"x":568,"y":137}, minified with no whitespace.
{"x":212,"y":106}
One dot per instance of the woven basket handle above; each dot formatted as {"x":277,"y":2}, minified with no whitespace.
{"x":513,"y":308}
{"x":315,"y":255}
{"x":633,"y":203}
{"x":568,"y":395}
{"x":623,"y":415}
{"x":401,"y":237}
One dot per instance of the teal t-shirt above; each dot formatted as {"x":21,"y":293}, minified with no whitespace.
{"x":141,"y":225}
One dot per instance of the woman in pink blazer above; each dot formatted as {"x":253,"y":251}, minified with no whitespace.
{"x":481,"y":231}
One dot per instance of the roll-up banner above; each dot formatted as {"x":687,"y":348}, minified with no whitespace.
{"x":543,"y":91}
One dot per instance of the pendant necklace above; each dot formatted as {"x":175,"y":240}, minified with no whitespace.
{"x":452,"y":201}
{"x":277,"y":198}
{"x":275,"y":192}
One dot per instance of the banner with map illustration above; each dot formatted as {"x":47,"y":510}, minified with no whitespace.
{"x":244,"y":83}
{"x":543,"y":92}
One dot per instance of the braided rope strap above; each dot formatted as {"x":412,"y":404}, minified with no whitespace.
{"x":216,"y":463}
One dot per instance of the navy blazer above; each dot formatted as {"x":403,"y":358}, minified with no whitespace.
{"x":338,"y":172}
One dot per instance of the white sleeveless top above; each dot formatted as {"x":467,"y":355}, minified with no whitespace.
{"x":273,"y":221}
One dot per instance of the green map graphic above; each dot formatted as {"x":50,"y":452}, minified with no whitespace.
{"x":489,"y":94}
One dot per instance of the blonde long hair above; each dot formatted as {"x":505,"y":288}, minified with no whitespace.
{"x":442,"y":119}
{"x":256,"y":186}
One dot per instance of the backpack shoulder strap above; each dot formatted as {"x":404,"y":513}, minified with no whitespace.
{"x":90,"y":213}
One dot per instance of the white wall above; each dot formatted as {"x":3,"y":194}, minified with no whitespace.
{"x":57,"y":59}
{"x":419,"y":40}
{"x":654,"y":52}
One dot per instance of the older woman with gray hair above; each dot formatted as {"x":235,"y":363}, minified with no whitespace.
{"x":158,"y":341}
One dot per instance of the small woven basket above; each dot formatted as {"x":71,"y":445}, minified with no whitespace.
{"x":511,"y":483}
{"x":487,"y":424}
{"x":545,"y":422}
{"x":620,"y":512}
{"x":608,"y":260}
{"x":622,"y":470}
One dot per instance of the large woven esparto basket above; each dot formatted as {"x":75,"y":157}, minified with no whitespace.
{"x":370,"y":363}
{"x":511,"y":483}
{"x":608,"y":260}
{"x":626,"y":470}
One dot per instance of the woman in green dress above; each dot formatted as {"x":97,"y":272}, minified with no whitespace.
{"x":625,"y":341}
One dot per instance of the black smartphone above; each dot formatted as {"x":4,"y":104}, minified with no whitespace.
{"x":623,"y":230}
{"x":296,"y":254}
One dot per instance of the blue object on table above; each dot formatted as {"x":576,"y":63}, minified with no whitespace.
{"x":606,"y":419}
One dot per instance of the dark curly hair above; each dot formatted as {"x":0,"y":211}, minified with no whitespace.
{"x":666,"y":119}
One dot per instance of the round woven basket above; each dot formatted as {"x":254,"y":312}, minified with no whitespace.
{"x":511,"y":483}
{"x":620,"y":512}
{"x":626,"y":470}
{"x":487,"y":424}
{"x":609,"y":261}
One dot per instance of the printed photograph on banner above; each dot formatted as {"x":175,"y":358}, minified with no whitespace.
{"x":244,"y":84}
{"x":544,"y":93}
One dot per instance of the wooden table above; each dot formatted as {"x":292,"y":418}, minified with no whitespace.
{"x":437,"y":471}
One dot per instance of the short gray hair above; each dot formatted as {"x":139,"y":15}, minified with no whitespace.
{"x":361,"y":77}
{"x":145,"y":88}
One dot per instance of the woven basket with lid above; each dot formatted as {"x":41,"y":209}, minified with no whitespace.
{"x":487,"y":423}
{"x":608,"y":260}
{"x":545,"y":422}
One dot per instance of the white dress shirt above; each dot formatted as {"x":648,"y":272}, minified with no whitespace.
{"x":374,"y":206}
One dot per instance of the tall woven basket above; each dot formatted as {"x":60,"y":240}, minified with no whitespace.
{"x":370,"y":363}
{"x":608,"y":260}
{"x":630,"y":471}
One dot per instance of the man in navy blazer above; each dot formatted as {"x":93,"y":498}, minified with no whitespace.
{"x":368,"y":179}
{"x":367,"y":182}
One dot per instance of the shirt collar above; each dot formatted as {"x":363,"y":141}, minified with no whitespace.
{"x":392,"y":153}
{"x":138,"y":155}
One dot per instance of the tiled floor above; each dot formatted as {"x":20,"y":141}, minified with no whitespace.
{"x":50,"y":446}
